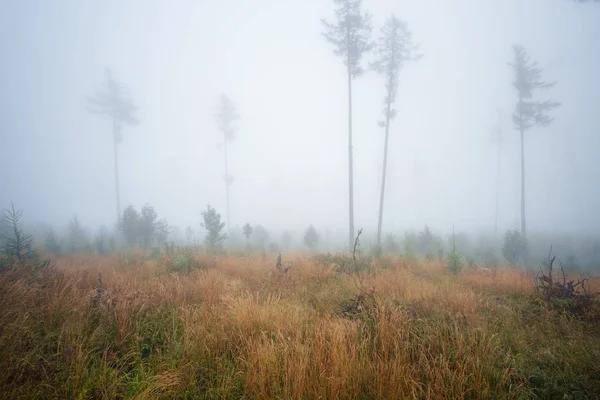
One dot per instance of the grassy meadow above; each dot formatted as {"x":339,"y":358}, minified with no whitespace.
{"x":236,"y":328}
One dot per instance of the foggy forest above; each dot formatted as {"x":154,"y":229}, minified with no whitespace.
{"x":300,"y":199}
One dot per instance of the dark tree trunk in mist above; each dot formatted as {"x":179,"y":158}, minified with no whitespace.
{"x":385,"y":156}
{"x":350,"y":167}
{"x":498,"y":171}
{"x":523,"y":224}
{"x":117,"y":188}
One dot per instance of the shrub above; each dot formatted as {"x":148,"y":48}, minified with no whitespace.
{"x":182,"y":262}
{"x":185,"y":261}
{"x":344,"y":262}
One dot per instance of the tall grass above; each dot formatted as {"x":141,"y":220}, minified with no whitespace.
{"x":240,"y":329}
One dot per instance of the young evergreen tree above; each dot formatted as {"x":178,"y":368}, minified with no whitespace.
{"x":17,"y":245}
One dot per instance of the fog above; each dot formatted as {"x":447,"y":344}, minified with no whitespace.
{"x":289,"y":157}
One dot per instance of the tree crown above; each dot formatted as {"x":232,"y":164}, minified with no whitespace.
{"x":394,"y":47}
{"x":528,"y":79}
{"x":350,"y":34}
{"x":112,"y":99}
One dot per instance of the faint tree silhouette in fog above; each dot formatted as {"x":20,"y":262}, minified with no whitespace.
{"x":247,"y":230}
{"x":528,"y":113}
{"x":162,"y":230}
{"x":189,"y":235}
{"x":52,"y":243}
{"x":311,"y":238}
{"x":212,"y":222}
{"x":261,"y":237}
{"x":351,"y":36}
{"x":498,"y":138}
{"x":143,"y":228}
{"x":78,"y":240}
{"x":130,"y":225}
{"x":147,"y":225}
{"x":226,"y":116}
{"x":514,"y":248}
{"x":394,"y":47}
{"x":114,"y":101}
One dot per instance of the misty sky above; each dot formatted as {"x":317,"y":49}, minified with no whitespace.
{"x":289,"y":158}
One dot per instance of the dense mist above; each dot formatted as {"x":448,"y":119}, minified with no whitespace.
{"x":288,"y":156}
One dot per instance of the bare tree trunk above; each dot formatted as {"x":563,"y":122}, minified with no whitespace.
{"x":385,"y":155}
{"x":498,"y":161}
{"x":117,"y":189}
{"x":350,"y":167}
{"x":523,"y":225}
{"x":227,"y":183}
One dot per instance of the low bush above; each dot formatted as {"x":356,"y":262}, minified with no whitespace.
{"x":186,"y":261}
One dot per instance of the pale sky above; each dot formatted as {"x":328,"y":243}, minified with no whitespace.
{"x":289,"y":158}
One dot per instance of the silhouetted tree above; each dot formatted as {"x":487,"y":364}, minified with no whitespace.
{"x":428,"y":244}
{"x":528,"y":112}
{"x":130,"y":225}
{"x":261,"y":237}
{"x":247,"y":230}
{"x":17,"y":245}
{"x":147,"y":225}
{"x":311,"y":238}
{"x":162,"y":231}
{"x":212,"y":222}
{"x":395,"y":46}
{"x":351,"y":36}
{"x":113,"y":101}
{"x":515,"y":246}
{"x":226,"y":117}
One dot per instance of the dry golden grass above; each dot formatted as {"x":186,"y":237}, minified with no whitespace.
{"x":241,"y":329}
